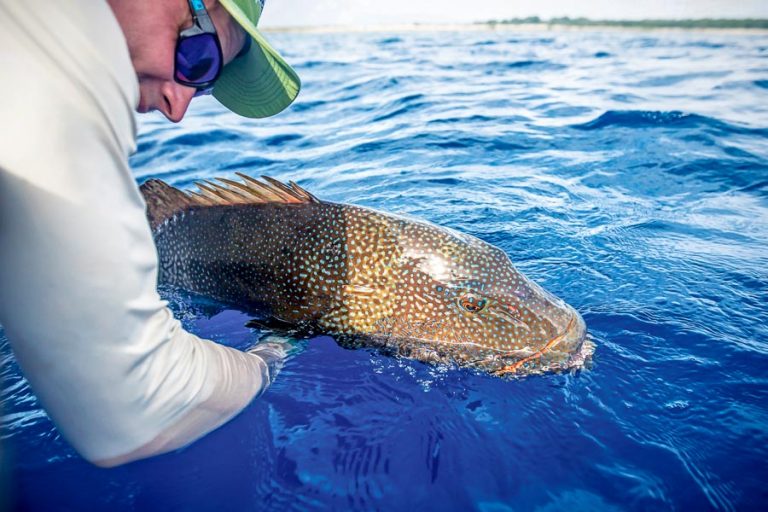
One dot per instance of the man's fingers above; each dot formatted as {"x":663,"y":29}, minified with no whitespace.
{"x":273,"y":354}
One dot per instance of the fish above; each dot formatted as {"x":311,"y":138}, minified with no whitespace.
{"x":395,"y":283}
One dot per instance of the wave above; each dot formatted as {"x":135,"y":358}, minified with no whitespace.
{"x":526,"y":64}
{"x":655,"y":118}
{"x":401,"y":106}
{"x":389,"y":40}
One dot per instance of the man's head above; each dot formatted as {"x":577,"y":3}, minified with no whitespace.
{"x":259,"y":84}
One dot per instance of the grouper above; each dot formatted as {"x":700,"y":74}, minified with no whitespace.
{"x":369,"y":279}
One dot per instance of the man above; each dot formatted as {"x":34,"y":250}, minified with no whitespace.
{"x":114,"y":370}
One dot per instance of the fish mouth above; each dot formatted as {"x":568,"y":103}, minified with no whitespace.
{"x":569,"y":350}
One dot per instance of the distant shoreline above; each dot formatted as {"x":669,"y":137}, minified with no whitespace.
{"x":577,"y":25}
{"x":699,"y":23}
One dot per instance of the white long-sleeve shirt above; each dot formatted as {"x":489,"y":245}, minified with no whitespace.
{"x":111,"y":366}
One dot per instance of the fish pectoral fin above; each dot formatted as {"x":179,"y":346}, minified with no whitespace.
{"x":277,"y":325}
{"x":270,"y":324}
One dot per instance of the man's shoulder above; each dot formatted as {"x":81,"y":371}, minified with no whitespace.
{"x":68,"y":57}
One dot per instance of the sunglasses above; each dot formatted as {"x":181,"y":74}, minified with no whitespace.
{"x":199,"y":60}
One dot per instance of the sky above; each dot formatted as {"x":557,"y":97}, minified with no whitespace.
{"x":287,"y":13}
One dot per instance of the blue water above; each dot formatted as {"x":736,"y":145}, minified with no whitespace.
{"x":625,"y":172}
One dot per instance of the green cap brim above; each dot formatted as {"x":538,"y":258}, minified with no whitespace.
{"x":259,"y":83}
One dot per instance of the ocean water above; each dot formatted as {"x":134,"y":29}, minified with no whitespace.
{"x":627,"y":172}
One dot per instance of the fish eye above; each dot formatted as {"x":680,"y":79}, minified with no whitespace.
{"x":472,"y":302}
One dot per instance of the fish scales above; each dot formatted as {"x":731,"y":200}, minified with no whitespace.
{"x":366,"y":277}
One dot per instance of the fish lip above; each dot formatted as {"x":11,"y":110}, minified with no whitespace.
{"x":572,"y":342}
{"x":572,"y":339}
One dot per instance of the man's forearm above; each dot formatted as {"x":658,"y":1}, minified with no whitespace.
{"x":235,"y":379}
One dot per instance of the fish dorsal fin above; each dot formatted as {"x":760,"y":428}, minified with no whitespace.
{"x":164,"y":201}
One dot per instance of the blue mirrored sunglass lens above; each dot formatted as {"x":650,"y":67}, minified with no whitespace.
{"x":197,"y":59}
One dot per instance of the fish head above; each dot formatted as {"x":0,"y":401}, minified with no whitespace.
{"x":464,"y":297}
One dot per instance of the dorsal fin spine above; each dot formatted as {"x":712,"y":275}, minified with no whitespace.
{"x":164,"y":201}
{"x":304,"y":193}
{"x":282,"y":189}
{"x":300,"y":191}
{"x":268,"y":190}
{"x":201,"y":199}
{"x":271,"y":190}
{"x":208,"y":192}
{"x":224,"y":193}
{"x":240,"y":189}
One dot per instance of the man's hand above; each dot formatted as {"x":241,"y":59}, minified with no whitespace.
{"x":273,"y":355}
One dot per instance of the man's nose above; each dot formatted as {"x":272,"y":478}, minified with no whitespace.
{"x":176,"y":98}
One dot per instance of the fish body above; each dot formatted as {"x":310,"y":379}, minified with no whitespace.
{"x":366,"y":277}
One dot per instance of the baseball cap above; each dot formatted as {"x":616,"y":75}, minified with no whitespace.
{"x":259,"y":83}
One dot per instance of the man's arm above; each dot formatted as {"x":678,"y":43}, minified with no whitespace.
{"x":112,"y":367}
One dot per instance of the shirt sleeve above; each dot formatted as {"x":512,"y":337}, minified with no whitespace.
{"x":111,"y":366}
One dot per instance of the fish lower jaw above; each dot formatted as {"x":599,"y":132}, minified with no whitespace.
{"x":568,"y":351}
{"x":582,"y":358}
